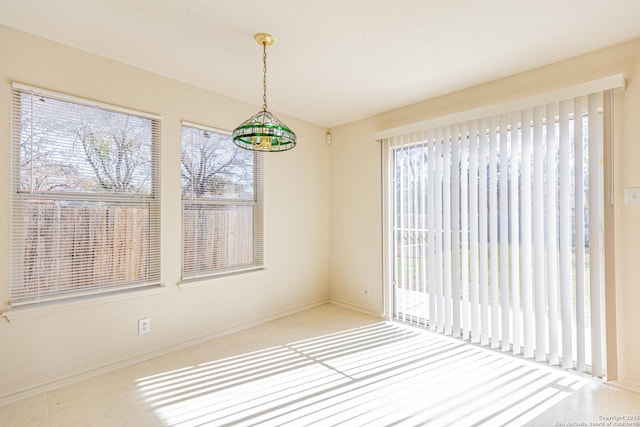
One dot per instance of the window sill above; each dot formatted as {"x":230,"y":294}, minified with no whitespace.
{"x":223,"y":278}
{"x":37,"y":311}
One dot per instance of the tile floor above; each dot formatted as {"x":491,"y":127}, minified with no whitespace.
{"x":329,"y":366}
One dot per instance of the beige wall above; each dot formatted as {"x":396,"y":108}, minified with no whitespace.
{"x":322,"y":218}
{"x":38,"y":351}
{"x":356,"y":200}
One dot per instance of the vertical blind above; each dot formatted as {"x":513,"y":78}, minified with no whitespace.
{"x":495,"y":230}
{"x":221,"y":204}
{"x":85,"y":205}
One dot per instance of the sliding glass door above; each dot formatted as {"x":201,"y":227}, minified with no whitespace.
{"x":496,"y":230}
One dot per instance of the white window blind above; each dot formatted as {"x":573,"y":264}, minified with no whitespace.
{"x":221,"y":204}
{"x":495,"y":230}
{"x":85,"y":205}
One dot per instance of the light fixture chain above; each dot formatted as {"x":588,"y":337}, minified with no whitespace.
{"x":264,"y":76}
{"x":264,"y":131}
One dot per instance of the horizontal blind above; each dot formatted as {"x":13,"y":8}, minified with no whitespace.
{"x":85,"y":204}
{"x":496,"y":227}
{"x":221,"y":204}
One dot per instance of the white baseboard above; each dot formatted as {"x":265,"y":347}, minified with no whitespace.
{"x":625,"y":385}
{"x":61,"y":382}
{"x":355,"y":307}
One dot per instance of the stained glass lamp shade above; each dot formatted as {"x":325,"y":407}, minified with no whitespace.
{"x":264,"y":131}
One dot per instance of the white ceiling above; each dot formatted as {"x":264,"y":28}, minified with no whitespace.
{"x":334,"y":61}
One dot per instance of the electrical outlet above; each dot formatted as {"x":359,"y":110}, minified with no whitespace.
{"x":144,"y":326}
{"x":632,"y":196}
{"x":366,"y":290}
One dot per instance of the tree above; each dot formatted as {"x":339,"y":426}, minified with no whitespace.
{"x":213,"y":166}
{"x":114,"y":153}
{"x":43,"y":165}
{"x":115,"y":156}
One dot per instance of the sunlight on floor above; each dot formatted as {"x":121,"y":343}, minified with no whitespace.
{"x":380,"y":374}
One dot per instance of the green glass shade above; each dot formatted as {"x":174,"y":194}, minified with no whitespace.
{"x":264,"y":132}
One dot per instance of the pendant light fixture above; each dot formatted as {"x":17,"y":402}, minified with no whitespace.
{"x":263,"y":131}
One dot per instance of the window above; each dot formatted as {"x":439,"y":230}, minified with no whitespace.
{"x":495,"y":230}
{"x":85,"y":206}
{"x":221,"y":204}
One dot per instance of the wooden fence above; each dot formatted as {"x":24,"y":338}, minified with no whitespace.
{"x":73,"y":246}
{"x":216,"y":238}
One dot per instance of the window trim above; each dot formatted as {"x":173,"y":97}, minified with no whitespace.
{"x":257,"y":203}
{"x":151,"y":201}
{"x":52,"y":308}
{"x":614,"y":81}
{"x":15,"y":86}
